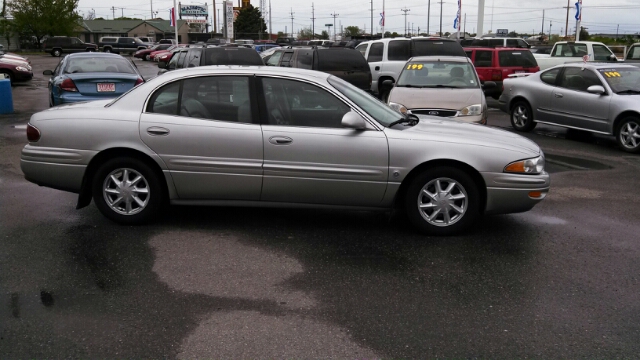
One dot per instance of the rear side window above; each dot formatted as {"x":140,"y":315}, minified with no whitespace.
{"x":305,"y":60}
{"x":363,"y":48}
{"x":375,"y":53}
{"x":399,"y":50}
{"x":193,"y":58}
{"x":483,"y":59}
{"x":286,"y":59}
{"x":232,"y":56}
{"x":496,"y":42}
{"x":341,"y":60}
{"x":549,"y":77}
{"x":275,"y":58}
{"x":600,"y":53}
{"x":437,"y":47}
{"x":165,"y":100}
{"x":469,"y":53}
{"x":513,"y":58}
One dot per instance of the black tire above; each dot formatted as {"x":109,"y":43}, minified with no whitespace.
{"x":147,"y":57}
{"x":384,"y":95}
{"x":90,"y":50}
{"x":107,"y":50}
{"x":153,"y":199}
{"x":522,"y":116}
{"x":56,"y":52}
{"x":466,"y":198}
{"x":628,"y":134}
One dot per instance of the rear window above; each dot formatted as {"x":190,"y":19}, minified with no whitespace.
{"x":516,"y":58}
{"x":437,"y":47}
{"x":232,"y":56}
{"x":341,"y":60}
{"x":98,"y":64}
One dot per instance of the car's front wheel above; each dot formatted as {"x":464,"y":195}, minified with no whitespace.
{"x":107,"y":50}
{"x":56,"y":52}
{"x":628,"y":134}
{"x":127,"y":191}
{"x":147,"y":57}
{"x":522,"y":116}
{"x":442,"y":201}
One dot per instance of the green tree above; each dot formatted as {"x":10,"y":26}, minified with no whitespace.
{"x":584,"y":34}
{"x":6,"y":27}
{"x":40,"y":18}
{"x":324,"y":35}
{"x":513,"y":34}
{"x":305,"y":34}
{"x":249,"y":24}
{"x":352,"y":31}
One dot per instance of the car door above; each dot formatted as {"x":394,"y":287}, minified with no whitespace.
{"x":203,"y":129}
{"x":309,"y":157}
{"x":574,"y":106}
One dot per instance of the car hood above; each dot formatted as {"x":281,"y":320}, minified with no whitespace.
{"x":448,"y":130}
{"x":15,"y":62}
{"x":435,"y":98}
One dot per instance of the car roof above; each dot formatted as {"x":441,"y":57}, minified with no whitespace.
{"x":499,"y":48}
{"x":257,"y":70}
{"x":461,"y":59}
{"x":599,"y":65}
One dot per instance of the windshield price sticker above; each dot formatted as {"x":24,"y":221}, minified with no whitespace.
{"x":611,"y":74}
{"x":415,"y":67}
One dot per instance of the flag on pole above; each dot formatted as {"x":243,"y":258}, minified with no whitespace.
{"x":172,"y":16}
{"x":579,"y":10}
{"x":456,"y":22}
{"x":382,"y":19}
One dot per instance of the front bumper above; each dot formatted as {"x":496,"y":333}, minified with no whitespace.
{"x":22,"y":76}
{"x":511,"y":193}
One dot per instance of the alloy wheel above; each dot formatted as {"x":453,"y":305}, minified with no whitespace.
{"x":126,"y":191}
{"x":520,"y":116}
{"x":442,"y":202}
{"x":630,"y":135}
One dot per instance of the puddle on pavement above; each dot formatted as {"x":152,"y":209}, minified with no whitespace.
{"x":558,"y":163}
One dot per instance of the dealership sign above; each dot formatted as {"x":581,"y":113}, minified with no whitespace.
{"x":193,"y":10}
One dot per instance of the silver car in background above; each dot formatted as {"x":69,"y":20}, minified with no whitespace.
{"x":279,"y":137}
{"x":444,"y":86}
{"x":602,"y":98}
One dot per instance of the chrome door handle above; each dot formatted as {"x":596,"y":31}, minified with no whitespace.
{"x":157,"y":131}
{"x":558,"y":95}
{"x":280,"y":140}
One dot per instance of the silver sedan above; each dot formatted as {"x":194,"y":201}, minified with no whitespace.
{"x":597,"y":97}
{"x":258,"y":136}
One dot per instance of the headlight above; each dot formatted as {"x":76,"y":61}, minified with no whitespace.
{"x":471,"y":110}
{"x":20,"y":68}
{"x":528,"y":166}
{"x":399,"y":108}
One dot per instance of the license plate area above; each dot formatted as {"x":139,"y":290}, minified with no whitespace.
{"x":519,"y":72}
{"x":106,"y":87}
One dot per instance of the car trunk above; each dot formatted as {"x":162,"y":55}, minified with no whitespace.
{"x":97,"y":84}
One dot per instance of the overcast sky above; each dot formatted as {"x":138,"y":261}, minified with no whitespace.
{"x":523,"y":16}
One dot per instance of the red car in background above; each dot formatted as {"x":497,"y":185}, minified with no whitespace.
{"x":164,"y":58}
{"x":145,"y":54}
{"x":154,"y":55}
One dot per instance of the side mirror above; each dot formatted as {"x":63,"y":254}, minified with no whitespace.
{"x":172,"y":66}
{"x":489,"y":85}
{"x":612,"y":58}
{"x":387,"y":85}
{"x":352,"y":120}
{"x":47,"y":72}
{"x":596,"y":89}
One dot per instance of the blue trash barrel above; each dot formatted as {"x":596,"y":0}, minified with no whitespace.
{"x":6,"y":99}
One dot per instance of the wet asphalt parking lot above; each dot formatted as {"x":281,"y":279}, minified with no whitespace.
{"x":560,"y":281}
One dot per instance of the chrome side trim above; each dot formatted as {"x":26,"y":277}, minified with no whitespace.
{"x":271,"y":204}
{"x":573,"y":127}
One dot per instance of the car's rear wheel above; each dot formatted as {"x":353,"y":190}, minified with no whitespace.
{"x":56,"y":52}
{"x":107,"y":50}
{"x":147,"y":57}
{"x":628,"y":134}
{"x":522,"y":116}
{"x":127,"y":191}
{"x":442,"y":201}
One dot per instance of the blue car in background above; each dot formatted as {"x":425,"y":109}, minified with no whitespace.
{"x":262,"y":47}
{"x":91,"y":76}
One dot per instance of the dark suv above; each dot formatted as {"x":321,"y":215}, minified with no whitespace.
{"x":59,"y":45}
{"x":347,"y":64}
{"x":219,"y":55}
{"x":121,"y":44}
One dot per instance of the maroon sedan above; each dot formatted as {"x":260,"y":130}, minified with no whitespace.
{"x":145,"y":54}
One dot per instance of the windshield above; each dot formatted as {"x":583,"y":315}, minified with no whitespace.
{"x":438,"y":74}
{"x":372,"y":106}
{"x":625,"y":80}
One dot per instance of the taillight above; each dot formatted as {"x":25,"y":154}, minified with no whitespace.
{"x":33,"y":134}
{"x":139,"y":81}
{"x":496,"y":75}
{"x":68,"y":85}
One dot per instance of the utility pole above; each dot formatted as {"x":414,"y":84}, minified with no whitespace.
{"x":152,"y":9}
{"x":550,"y":25}
{"x":441,"y":2}
{"x":405,"y":19}
{"x":371,"y":18}
{"x":566,"y":25}
{"x":617,"y":30}
{"x":113,"y":12}
{"x":464,"y":29}
{"x":270,"y":33}
{"x":291,"y":22}
{"x":122,"y":12}
{"x":313,"y":22}
{"x":428,"y":16}
{"x":542,"y":24}
{"x":334,"y":25}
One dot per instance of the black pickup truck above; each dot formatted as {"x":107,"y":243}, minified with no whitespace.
{"x":121,"y":45}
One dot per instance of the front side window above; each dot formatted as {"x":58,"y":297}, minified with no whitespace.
{"x":274,"y":60}
{"x":634,"y":53}
{"x":601,"y":53}
{"x":363,"y":48}
{"x":372,"y":106}
{"x":375,"y":53}
{"x":578,"y":79}
{"x":296,"y":103}
{"x":193,"y":58}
